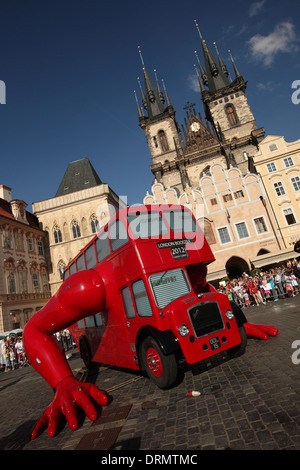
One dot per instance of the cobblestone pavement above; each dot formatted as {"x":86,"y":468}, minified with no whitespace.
{"x":249,"y":402}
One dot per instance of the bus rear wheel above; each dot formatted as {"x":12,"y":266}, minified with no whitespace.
{"x":85,"y":353}
{"x":161,"y":369}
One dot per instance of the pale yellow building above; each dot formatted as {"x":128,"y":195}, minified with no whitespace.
{"x":24,"y":286}
{"x":81,"y":206}
{"x":235,"y":215}
{"x":278,"y":164}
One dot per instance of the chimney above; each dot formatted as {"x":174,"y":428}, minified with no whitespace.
{"x":5,"y":192}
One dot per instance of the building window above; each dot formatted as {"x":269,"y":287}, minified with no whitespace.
{"x":30,"y":245}
{"x":271,"y":167}
{"x":6,"y":238}
{"x":94,"y":224}
{"x":23,"y":282}
{"x":279,"y":188}
{"x":227,"y":197}
{"x":289,"y":216}
{"x":35,"y":283}
{"x":224,"y":235}
{"x":238,"y":194}
{"x":260,"y":225}
{"x":242,"y":230}
{"x":40,"y":247}
{"x":213,"y":201}
{"x":288,"y":162}
{"x":75,"y":229}
{"x":61,"y":267}
{"x":11,"y":284}
{"x":19,"y":241}
{"x":57,"y":234}
{"x":163,"y":141}
{"x":231,"y":115}
{"x":272,"y":147}
{"x":296,"y":183}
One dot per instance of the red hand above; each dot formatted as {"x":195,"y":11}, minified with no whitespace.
{"x":70,"y":392}
{"x":260,"y":331}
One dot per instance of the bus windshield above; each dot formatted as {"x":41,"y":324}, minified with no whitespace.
{"x":168,"y":286}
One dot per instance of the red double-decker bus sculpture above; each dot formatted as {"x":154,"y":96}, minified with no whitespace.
{"x":135,"y":297}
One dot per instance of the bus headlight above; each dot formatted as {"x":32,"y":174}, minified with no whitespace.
{"x":183,"y":330}
{"x":229,"y":314}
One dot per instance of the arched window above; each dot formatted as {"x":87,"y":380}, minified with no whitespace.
{"x":57,"y":234}
{"x":94,"y":224}
{"x":163,"y":141}
{"x":60,"y":268}
{"x":230,"y":111}
{"x":75,"y":229}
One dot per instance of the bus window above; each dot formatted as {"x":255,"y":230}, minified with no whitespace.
{"x":147,"y":224}
{"x":181,"y":221}
{"x":102,"y":246}
{"x":141,"y":299}
{"x":117,"y":234}
{"x":80,"y":325}
{"x":169,"y":286}
{"x":80,"y":263}
{"x":98,"y":319}
{"x":90,"y":321}
{"x":128,"y":303}
{"x":90,"y":257}
{"x":73,"y":268}
{"x":66,"y":274}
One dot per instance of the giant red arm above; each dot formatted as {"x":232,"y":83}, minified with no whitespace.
{"x":81,"y":295}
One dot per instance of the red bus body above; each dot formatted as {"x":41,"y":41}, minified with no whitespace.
{"x":154,"y":271}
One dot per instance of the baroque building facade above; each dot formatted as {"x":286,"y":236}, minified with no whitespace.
{"x":24,"y":283}
{"x":278,"y":164}
{"x":81,"y":206}
{"x":211,"y":163}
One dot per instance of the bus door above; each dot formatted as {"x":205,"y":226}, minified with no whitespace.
{"x":138,"y":312}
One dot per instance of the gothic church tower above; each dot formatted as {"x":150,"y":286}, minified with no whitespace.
{"x":227,"y":108}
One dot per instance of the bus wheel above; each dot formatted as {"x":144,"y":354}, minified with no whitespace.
{"x":161,"y":369}
{"x":85,"y":353}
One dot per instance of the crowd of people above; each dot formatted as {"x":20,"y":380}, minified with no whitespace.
{"x":12,"y":352}
{"x":263,"y":286}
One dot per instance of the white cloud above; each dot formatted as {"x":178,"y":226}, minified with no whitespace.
{"x":256,"y":7}
{"x":282,"y":39}
{"x":193,"y":83}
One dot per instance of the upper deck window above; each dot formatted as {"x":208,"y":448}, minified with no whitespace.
{"x":181,"y":221}
{"x":117,"y":234}
{"x":147,"y":224}
{"x":80,"y":263}
{"x":90,"y":257}
{"x":102,"y":246}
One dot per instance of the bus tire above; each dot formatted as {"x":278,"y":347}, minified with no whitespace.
{"x":240,"y":348}
{"x":161,"y":369}
{"x":85,"y":353}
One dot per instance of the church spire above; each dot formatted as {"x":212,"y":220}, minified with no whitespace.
{"x":236,"y":71}
{"x":215,"y":71}
{"x":152,"y":101}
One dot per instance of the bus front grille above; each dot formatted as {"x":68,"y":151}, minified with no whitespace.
{"x":206,"y":318}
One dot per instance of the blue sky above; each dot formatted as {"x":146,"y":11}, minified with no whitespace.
{"x":70,"y":69}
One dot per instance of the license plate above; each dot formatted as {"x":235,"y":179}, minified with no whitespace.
{"x":179,"y":252}
{"x":214,"y":343}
